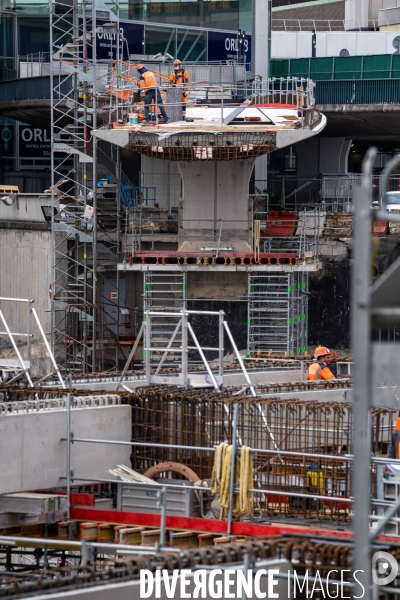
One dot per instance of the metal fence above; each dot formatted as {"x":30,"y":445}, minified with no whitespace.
{"x":358,"y":92}
{"x":329,"y":24}
{"x":334,"y":190}
{"x":37,"y":65}
{"x":382,"y":66}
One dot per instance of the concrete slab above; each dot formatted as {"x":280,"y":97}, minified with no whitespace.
{"x":34,"y":456}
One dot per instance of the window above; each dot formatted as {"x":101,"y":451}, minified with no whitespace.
{"x":34,"y":35}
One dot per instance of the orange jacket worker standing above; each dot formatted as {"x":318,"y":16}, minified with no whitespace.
{"x":318,"y":369}
{"x":148,"y":82}
{"x":179,"y":76}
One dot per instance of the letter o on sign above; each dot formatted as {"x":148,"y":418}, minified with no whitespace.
{"x":6,"y":134}
{"x":27,"y":135}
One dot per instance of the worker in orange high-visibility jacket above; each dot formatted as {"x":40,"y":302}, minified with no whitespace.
{"x":319,"y":369}
{"x":394,"y":448}
{"x":179,"y":76}
{"x":148,"y":82}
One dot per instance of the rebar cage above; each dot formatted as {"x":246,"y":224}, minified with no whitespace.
{"x":317,"y":433}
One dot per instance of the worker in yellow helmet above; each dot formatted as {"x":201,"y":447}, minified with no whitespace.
{"x":179,"y":76}
{"x":148,"y":82}
{"x":319,"y":368}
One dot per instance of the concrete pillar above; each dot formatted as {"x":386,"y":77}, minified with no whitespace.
{"x":333,"y":154}
{"x":261,"y":37}
{"x":322,"y":155}
{"x":165,"y":177}
{"x":211,"y":191}
{"x":261,"y":171}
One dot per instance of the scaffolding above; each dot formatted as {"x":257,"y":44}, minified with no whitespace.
{"x":85,"y":212}
{"x":165,"y":292}
{"x":277,"y":312}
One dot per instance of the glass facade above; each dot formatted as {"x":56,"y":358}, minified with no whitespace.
{"x":182,"y":28}
{"x":214,"y":14}
{"x":33,"y":35}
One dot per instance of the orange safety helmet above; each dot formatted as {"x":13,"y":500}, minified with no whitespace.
{"x":321,"y":351}
{"x":177,"y":62}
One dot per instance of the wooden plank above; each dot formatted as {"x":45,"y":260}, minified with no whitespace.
{"x":88,"y":531}
{"x":105,"y":532}
{"x":183,"y":539}
{"x":68,"y":530}
{"x":128,"y":535}
{"x":151,"y":537}
{"x":226,"y":539}
{"x":206,"y":539}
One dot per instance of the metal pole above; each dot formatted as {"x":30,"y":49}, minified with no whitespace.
{"x":69,"y":436}
{"x":17,"y":352}
{"x":162,"y":503}
{"x":240,"y":360}
{"x":148,"y":346}
{"x":232,"y":479}
{"x":200,"y":351}
{"x":131,"y":355}
{"x":53,"y":360}
{"x":185,"y":327}
{"x":221,"y":344}
{"x":361,"y":346}
{"x":219,"y":237}
{"x":171,"y":341}
{"x":28,"y":342}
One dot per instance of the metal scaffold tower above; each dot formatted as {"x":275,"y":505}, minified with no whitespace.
{"x":277,"y":312}
{"x":85,"y":215}
{"x":165,"y":292}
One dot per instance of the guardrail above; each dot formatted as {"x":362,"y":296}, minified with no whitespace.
{"x":329,"y":24}
{"x":339,"y":68}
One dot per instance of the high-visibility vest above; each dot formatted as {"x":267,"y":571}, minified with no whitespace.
{"x":179,"y":77}
{"x":317,"y":371}
{"x":149,"y":80}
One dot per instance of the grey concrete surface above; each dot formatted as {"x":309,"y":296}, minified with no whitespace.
{"x":34,"y":457}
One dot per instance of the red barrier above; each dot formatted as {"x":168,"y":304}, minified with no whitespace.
{"x":280,"y":223}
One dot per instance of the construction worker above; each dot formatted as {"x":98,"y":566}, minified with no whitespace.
{"x":179,"y":76}
{"x":319,"y":368}
{"x":148,"y":82}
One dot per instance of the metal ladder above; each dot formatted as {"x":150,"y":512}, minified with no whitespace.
{"x":277,"y":312}
{"x":165,"y":292}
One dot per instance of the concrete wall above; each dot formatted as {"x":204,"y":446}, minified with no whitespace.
{"x":165,"y":176}
{"x":25,"y":207}
{"x":298,"y":44}
{"x":213,"y":190}
{"x":25,"y":268}
{"x":34,"y":457}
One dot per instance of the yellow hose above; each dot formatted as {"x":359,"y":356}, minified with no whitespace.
{"x":243,"y":501}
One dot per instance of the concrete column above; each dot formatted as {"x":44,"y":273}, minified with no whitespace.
{"x":333,"y":154}
{"x":261,"y":37}
{"x":261,"y":171}
{"x":165,"y":177}
{"x":211,"y":191}
{"x":322,"y":155}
